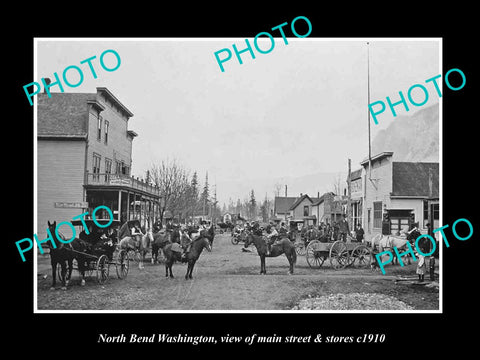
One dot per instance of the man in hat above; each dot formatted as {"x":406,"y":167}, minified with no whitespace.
{"x":128,"y":233}
{"x":272,"y":235}
{"x":343,"y":229}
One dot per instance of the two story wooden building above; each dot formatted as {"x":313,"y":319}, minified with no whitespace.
{"x":84,"y":159}
{"x":399,"y":194}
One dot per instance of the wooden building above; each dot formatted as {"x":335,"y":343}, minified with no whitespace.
{"x":84,"y":159}
{"x":399,"y":193}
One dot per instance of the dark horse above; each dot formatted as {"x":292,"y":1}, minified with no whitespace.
{"x":160,"y":239}
{"x":282,"y":246}
{"x":210,"y":235}
{"x":78,"y":249}
{"x":172,"y":255}
{"x":60,"y":255}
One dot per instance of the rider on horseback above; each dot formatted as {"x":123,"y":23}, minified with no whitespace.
{"x":272,"y":235}
{"x":128,"y":234}
{"x":186,"y":241}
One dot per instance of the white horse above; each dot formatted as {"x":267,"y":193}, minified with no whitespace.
{"x":140,"y":243}
{"x":388,"y":243}
{"x":144,"y":246}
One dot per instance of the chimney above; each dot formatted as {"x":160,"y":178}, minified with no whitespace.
{"x":47,"y":81}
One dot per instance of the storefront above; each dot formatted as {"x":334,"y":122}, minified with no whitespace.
{"x":127,"y":197}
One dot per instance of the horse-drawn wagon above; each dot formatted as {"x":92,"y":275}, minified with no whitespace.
{"x":340,"y":254}
{"x":94,"y":252}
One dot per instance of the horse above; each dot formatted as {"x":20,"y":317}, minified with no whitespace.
{"x":210,"y":235}
{"x":60,"y":255}
{"x":388,"y":242}
{"x":282,"y":246}
{"x":173,"y":252}
{"x":160,"y":239}
{"x":145,"y":244}
{"x":65,"y":253}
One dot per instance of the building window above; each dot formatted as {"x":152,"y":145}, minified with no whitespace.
{"x":305,"y":210}
{"x":106,"y":132}
{"x":108,"y":169}
{"x":435,"y":209}
{"x":96,"y":166}
{"x":99,"y":128}
{"x":118,"y":167}
{"x":377,"y":214}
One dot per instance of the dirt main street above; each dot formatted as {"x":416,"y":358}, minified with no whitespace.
{"x":228,"y":279}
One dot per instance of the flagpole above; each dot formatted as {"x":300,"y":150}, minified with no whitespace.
{"x":369,"y":136}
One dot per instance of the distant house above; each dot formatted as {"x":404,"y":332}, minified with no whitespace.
{"x":301,"y":210}
{"x":326,"y":209}
{"x":402,"y":192}
{"x":281,"y":206}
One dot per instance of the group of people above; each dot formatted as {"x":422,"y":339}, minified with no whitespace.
{"x":332,"y":232}
{"x":130,"y":234}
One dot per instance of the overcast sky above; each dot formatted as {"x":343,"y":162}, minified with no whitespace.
{"x":298,"y":110}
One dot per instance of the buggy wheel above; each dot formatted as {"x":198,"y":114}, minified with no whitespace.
{"x":339,"y":257}
{"x":103,"y":269}
{"x":300,"y":247}
{"x":122,"y":265}
{"x":362,"y":255}
{"x":133,"y":255}
{"x":313,"y":254}
{"x":234,"y":240}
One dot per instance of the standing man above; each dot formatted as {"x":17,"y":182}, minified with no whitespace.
{"x":359,"y":233}
{"x":343,"y":229}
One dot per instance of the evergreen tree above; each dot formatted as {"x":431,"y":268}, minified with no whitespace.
{"x":252,"y":206}
{"x":204,"y":197}
{"x":193,"y":194}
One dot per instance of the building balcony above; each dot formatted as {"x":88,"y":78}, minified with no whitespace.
{"x":106,"y":180}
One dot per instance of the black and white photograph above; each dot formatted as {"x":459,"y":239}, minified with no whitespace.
{"x":190,"y":186}
{"x":218,"y":180}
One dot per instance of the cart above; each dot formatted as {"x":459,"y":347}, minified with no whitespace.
{"x":98,"y":260}
{"x":340,"y":254}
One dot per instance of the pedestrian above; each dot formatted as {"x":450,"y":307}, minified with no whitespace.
{"x":359,"y":233}
{"x":423,"y":247}
{"x":343,"y":228}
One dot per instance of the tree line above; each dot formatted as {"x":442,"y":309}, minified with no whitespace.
{"x":185,"y":198}
{"x":249,"y":208}
{"x":181,"y":192}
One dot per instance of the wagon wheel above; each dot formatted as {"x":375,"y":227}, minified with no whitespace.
{"x":234,"y":240}
{"x":362,"y":255}
{"x":339,"y":257}
{"x":300,"y":247}
{"x":122,"y":265}
{"x":103,"y":269}
{"x":134,"y":255}
{"x":313,"y":255}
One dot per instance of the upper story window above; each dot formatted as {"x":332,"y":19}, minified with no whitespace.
{"x":377,"y":214}
{"x":305,"y":210}
{"x":106,"y":132}
{"x":99,"y":128}
{"x":96,"y":166}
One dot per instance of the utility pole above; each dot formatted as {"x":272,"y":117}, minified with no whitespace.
{"x":349,"y":198}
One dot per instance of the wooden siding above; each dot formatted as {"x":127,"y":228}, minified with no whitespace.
{"x":60,"y":176}
{"x":119,"y":145}
{"x":382,"y":171}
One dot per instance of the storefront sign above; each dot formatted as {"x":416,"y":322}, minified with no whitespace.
{"x":72,"y":205}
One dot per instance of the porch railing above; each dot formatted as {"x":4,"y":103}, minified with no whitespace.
{"x":107,"y":179}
